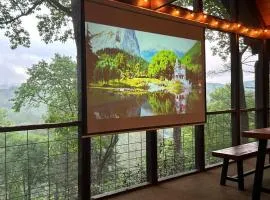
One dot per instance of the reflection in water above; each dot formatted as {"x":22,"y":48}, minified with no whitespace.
{"x":181,"y":102}
{"x":118,"y":105}
{"x":180,"y":97}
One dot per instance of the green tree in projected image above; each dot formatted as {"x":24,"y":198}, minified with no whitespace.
{"x":162,"y":65}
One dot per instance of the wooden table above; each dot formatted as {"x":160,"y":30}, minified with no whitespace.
{"x":262,"y":135}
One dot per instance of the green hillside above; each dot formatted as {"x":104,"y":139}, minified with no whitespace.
{"x":192,"y":59}
{"x":26,"y":115}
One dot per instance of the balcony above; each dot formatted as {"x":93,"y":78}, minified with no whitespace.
{"x":203,"y":186}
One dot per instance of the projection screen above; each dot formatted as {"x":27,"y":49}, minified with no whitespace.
{"x":144,"y":70}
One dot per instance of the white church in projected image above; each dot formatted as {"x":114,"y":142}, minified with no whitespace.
{"x":181,"y":99}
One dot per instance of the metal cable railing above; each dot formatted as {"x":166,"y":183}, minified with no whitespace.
{"x":39,"y":162}
{"x":176,"y":151}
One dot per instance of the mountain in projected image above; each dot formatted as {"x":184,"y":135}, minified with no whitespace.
{"x":137,"y":74}
{"x":115,"y":38}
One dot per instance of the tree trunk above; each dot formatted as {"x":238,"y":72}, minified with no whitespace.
{"x":56,"y":194}
{"x":107,"y":155}
{"x":178,"y":153}
{"x":177,"y":140}
{"x":24,"y":189}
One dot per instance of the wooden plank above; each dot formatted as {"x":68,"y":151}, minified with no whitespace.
{"x":262,"y":133}
{"x":239,"y":152}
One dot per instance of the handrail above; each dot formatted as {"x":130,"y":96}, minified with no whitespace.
{"x":234,"y":111}
{"x":220,"y":112}
{"x":77,"y":123}
{"x":39,"y":126}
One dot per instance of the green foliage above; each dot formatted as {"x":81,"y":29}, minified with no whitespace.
{"x":118,"y":64}
{"x":53,"y":84}
{"x":162,"y":65}
{"x":54,"y":25}
{"x":135,"y":83}
{"x":22,"y":177}
{"x":192,"y":59}
{"x":184,"y":3}
{"x":219,"y":126}
{"x":220,"y":99}
{"x":102,"y":150}
{"x":3,"y":118}
{"x":106,"y":68}
{"x":161,"y":103}
{"x":216,"y":8}
{"x":175,"y":87}
{"x":176,"y":151}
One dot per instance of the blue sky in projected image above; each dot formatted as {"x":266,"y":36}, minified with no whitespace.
{"x":149,"y":43}
{"x":158,"y":42}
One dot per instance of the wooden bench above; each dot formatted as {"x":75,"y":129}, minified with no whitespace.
{"x":239,"y":154}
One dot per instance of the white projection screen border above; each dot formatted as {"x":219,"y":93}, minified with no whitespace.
{"x":128,"y":87}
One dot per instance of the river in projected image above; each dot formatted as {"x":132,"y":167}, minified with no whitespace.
{"x":125,"y":105}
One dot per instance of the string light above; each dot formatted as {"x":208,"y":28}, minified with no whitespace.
{"x":226,"y":26}
{"x":213,"y":23}
{"x":176,"y":12}
{"x":143,"y":3}
{"x":202,"y":17}
{"x":205,"y":19}
{"x":190,"y":16}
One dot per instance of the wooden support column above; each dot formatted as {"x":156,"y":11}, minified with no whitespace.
{"x":259,"y":88}
{"x":197,"y":5}
{"x":265,"y":65}
{"x":199,"y":129}
{"x":199,"y":148}
{"x":235,"y":89}
{"x":84,"y":148}
{"x":151,"y":156}
{"x":235,"y":77}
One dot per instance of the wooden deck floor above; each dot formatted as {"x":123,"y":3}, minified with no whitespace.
{"x":201,"y":186}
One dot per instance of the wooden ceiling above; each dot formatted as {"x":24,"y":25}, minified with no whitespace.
{"x":264,"y":8}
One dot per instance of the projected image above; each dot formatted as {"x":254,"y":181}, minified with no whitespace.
{"x":133,"y":73}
